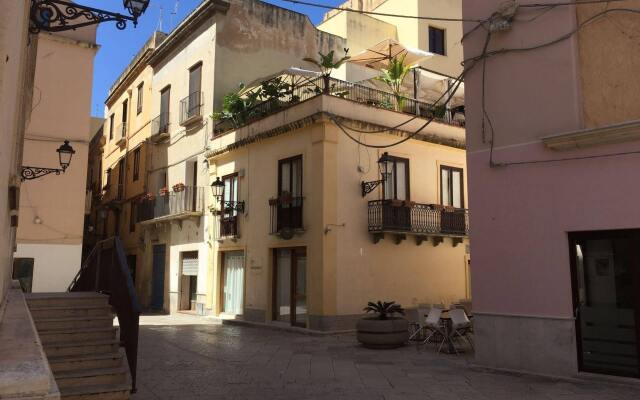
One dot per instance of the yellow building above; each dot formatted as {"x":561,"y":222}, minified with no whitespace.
{"x":126,"y":152}
{"x":294,"y":226}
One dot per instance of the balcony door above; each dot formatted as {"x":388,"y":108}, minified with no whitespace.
{"x":233,"y":278}
{"x":229,"y":217}
{"x":165,"y":98}
{"x":290,"y":193}
{"x":606,"y":291}
{"x":195,"y":82}
{"x":396,"y":215}
{"x":290,"y":286}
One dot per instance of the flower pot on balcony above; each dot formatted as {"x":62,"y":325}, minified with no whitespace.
{"x":178,"y":187}
{"x":164,"y":192}
{"x":387,"y":333}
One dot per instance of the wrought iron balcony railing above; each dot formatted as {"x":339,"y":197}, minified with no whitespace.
{"x":191,"y":108}
{"x":337,"y":88}
{"x":189,"y":200}
{"x":160,"y":124}
{"x":227,"y":220}
{"x":121,"y":132}
{"x":286,"y":215}
{"x":395,"y":216}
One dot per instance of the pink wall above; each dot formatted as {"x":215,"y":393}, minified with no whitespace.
{"x":520,"y":215}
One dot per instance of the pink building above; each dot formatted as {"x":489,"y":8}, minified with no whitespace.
{"x":555,"y":217}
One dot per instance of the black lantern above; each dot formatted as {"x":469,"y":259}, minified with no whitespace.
{"x":65,"y":152}
{"x":136,"y":7}
{"x":217,"y":188}
{"x":63,"y":15}
{"x":383,"y":169}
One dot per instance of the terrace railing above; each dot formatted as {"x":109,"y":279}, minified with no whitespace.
{"x":189,"y":200}
{"x":421,"y":219}
{"x":337,"y":88}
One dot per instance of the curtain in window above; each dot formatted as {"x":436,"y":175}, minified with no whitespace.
{"x":234,"y":282}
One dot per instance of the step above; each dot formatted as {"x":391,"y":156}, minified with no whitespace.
{"x":91,"y":377}
{"x":69,"y":323}
{"x":83,"y":348}
{"x":77,"y":335}
{"x":65,"y":311}
{"x":68,"y":299}
{"x":86,"y":361}
{"x":101,"y":392}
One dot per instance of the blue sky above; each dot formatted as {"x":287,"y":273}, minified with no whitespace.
{"x":117,"y":48}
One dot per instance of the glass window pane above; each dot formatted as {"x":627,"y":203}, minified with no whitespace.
{"x":445,"y":187}
{"x":455,"y":189}
{"x":285,"y":177}
{"x":283,"y":289}
{"x":296,"y":190}
{"x":401,"y":178}
{"x":389,"y":184}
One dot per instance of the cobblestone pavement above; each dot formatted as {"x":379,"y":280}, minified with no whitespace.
{"x":187,"y":357}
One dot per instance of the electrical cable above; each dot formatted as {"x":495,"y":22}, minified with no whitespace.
{"x":347,"y":9}
{"x":411,"y":135}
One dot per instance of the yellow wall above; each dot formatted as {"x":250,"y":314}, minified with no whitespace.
{"x":345,"y":268}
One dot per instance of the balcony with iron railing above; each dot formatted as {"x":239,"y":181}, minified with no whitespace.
{"x":120,"y":134}
{"x":160,"y":127}
{"x":400,"y":218}
{"x":191,"y":109}
{"x":286,"y":216}
{"x":226,"y":226}
{"x":189,"y":202}
{"x":337,"y":88}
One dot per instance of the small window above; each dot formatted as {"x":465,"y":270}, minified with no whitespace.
{"x":451,"y":186}
{"x":396,"y":186}
{"x":125,"y":110}
{"x":436,"y":41}
{"x":136,"y":164}
{"x":140,"y":98}
{"x":230,"y":192}
{"x":108,"y":176}
{"x":111,"y":119}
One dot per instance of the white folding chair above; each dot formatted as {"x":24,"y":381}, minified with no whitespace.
{"x":433,"y":325}
{"x":419,"y":325}
{"x":460,"y":325}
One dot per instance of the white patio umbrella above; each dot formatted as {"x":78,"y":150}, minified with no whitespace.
{"x":379,"y":55}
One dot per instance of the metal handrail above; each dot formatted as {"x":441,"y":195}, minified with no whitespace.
{"x":336,"y":88}
{"x":105,"y":270}
{"x":160,"y":124}
{"x":416,"y":218}
{"x":191,"y":107}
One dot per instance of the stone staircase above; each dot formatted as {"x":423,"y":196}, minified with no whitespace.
{"x":77,"y":333}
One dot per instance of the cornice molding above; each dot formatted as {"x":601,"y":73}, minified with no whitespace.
{"x":617,"y":133}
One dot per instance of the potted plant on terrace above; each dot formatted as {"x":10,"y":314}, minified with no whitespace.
{"x":164,"y":191}
{"x":384,"y":330}
{"x":327,"y":63}
{"x":178,"y":187}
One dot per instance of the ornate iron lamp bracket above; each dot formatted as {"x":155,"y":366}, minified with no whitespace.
{"x":368,"y":187}
{"x":29,"y":173}
{"x":59,"y":15}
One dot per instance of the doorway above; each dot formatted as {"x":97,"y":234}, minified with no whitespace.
{"x":233,"y":278}
{"x":606,"y":293}
{"x":157,"y":287}
{"x":189,"y":281}
{"x":290,"y":286}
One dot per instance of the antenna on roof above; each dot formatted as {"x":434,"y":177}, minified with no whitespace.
{"x":174,"y":12}
{"x":159,"y":26}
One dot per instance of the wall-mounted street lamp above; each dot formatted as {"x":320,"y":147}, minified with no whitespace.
{"x":217,"y":189}
{"x":383,"y":168}
{"x":60,"y":15}
{"x":65,"y":152}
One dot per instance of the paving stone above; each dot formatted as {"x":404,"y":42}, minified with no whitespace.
{"x":195,"y":358}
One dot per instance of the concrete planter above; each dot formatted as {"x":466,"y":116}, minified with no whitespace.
{"x":383,"y":333}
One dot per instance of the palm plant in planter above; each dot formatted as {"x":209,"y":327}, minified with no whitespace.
{"x":384,"y":330}
{"x":394,"y":77}
{"x":327,"y":63}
